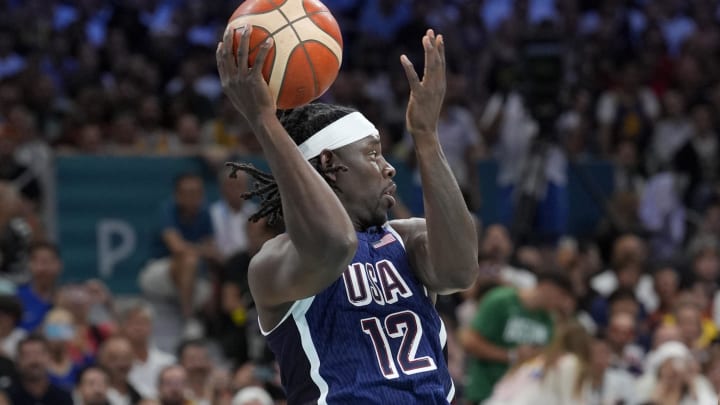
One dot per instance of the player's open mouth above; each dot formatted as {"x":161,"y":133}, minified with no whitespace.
{"x":389,"y":194}
{"x":391,"y":190}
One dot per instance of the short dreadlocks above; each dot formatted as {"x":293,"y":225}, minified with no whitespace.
{"x":300,"y":123}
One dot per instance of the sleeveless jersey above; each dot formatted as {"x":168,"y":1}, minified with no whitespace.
{"x":371,"y":337}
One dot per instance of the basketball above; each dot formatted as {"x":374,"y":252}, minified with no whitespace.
{"x":305,"y":59}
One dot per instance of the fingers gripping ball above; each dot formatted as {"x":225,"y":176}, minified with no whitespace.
{"x":305,"y":59}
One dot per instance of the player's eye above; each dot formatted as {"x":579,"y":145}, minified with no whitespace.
{"x":373,"y":154}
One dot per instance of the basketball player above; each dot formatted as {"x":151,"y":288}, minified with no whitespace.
{"x":345,"y":298}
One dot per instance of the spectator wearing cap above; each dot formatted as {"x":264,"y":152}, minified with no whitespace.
{"x":511,"y":326}
{"x":10,"y":333}
{"x":672,"y":378}
{"x":252,"y":396}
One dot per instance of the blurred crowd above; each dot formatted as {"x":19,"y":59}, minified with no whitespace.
{"x":626,"y":313}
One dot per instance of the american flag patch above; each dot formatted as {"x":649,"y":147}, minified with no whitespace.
{"x":385,"y":240}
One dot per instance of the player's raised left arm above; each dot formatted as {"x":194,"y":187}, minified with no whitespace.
{"x":443,"y":247}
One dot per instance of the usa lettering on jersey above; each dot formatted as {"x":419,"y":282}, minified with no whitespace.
{"x":380,"y":283}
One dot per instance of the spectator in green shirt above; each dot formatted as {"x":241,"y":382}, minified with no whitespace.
{"x":511,"y":325}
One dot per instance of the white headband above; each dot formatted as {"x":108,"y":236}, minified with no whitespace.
{"x":348,"y":129}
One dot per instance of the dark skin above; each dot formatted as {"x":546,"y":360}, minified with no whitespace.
{"x":321,"y":224}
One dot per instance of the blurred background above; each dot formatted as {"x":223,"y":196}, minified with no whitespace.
{"x":583,"y":133}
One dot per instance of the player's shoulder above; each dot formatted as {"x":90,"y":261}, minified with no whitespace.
{"x":407,"y":228}
{"x":266,"y":264}
{"x":413,"y":232}
{"x":271,"y":250}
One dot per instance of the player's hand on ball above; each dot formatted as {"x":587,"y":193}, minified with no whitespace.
{"x":244,"y":85}
{"x":426,"y":96}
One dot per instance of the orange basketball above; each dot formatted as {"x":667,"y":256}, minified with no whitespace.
{"x":307,"y":53}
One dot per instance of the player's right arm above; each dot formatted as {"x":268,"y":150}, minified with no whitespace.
{"x":320,"y":240}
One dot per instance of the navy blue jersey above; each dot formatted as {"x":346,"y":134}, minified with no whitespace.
{"x":371,"y":337}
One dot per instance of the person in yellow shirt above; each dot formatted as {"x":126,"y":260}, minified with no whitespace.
{"x":697,"y":331}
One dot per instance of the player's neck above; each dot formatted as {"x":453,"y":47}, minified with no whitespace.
{"x":364,"y":225}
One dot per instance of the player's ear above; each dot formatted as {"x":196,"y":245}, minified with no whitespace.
{"x":328,"y":160}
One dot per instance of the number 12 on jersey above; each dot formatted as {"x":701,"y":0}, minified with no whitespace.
{"x":405,"y":325}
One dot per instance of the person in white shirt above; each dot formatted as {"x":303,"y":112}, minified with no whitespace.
{"x":607,"y":385}
{"x":627,"y":248}
{"x":672,"y":130}
{"x":136,"y":324}
{"x":507,"y":118}
{"x":230,"y":215}
{"x":621,"y":335}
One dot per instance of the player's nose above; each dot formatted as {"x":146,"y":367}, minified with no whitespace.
{"x":389,"y":170}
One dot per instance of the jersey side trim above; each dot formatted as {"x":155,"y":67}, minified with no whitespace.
{"x":295,"y":307}
{"x":443,"y":344}
{"x":451,"y":394}
{"x":309,"y":347}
